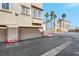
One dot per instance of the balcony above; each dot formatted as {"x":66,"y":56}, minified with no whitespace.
{"x":36,"y":21}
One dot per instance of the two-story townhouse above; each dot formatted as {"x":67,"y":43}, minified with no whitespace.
{"x":20,"y":21}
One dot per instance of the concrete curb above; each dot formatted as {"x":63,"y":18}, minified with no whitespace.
{"x":56,"y":50}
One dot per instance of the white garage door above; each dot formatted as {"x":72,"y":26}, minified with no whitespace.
{"x":26,"y":33}
{"x":2,"y":35}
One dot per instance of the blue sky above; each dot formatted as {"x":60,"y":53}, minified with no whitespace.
{"x":71,"y":9}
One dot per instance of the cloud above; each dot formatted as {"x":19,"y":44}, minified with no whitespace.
{"x":71,"y":5}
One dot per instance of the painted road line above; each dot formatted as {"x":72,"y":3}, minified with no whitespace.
{"x":58,"y":49}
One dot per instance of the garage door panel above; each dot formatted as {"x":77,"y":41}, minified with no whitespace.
{"x":2,"y":35}
{"x":26,"y":33}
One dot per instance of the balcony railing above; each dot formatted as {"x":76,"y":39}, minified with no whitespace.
{"x":37,"y":20}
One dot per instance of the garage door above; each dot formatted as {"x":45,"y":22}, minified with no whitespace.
{"x":26,"y":33}
{"x":2,"y":35}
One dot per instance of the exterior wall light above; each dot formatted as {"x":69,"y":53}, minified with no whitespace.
{"x":16,"y":14}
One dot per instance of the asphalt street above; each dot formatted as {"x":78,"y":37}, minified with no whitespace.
{"x":73,"y":49}
{"x":33,"y":47}
{"x":39,"y":46}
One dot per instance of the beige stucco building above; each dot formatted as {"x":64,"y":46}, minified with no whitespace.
{"x":64,"y":26}
{"x":20,"y":21}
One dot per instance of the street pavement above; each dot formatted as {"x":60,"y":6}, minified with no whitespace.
{"x":73,"y":49}
{"x":33,"y":47}
{"x":38,"y":46}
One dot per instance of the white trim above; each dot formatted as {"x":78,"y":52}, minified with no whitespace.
{"x":3,"y":27}
{"x":5,"y":9}
{"x":0,"y":5}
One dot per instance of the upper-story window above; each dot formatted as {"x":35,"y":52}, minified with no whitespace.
{"x":5,"y":6}
{"x":37,"y":13}
{"x":25,"y":10}
{"x":40,"y":14}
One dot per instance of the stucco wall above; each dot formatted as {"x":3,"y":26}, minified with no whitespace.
{"x":20,"y":20}
{"x":11,"y":18}
{"x":37,"y":4}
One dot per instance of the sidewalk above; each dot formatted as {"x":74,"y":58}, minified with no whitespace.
{"x":35,"y":47}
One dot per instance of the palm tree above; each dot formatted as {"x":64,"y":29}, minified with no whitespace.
{"x":59,"y":21}
{"x":63,"y":16}
{"x":46,"y":15}
{"x":51,"y":15}
{"x":54,"y":17}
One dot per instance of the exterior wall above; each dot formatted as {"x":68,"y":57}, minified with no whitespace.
{"x":44,"y":26}
{"x":21,"y":20}
{"x":66,"y":26}
{"x":35,"y":19}
{"x":26,"y":33}
{"x":2,"y":35}
{"x":10,"y":18}
{"x":37,"y":4}
{"x":13,"y":22}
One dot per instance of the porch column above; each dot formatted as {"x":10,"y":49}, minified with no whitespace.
{"x":12,"y":35}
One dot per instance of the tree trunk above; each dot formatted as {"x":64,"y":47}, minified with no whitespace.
{"x":51,"y":24}
{"x":54,"y":25}
{"x":63,"y":24}
{"x":46,"y":26}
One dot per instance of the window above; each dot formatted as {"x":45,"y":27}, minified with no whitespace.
{"x":5,"y":6}
{"x":37,"y":13}
{"x":25,"y":10}
{"x":40,"y":14}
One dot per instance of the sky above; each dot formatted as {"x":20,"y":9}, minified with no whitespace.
{"x":71,"y":10}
